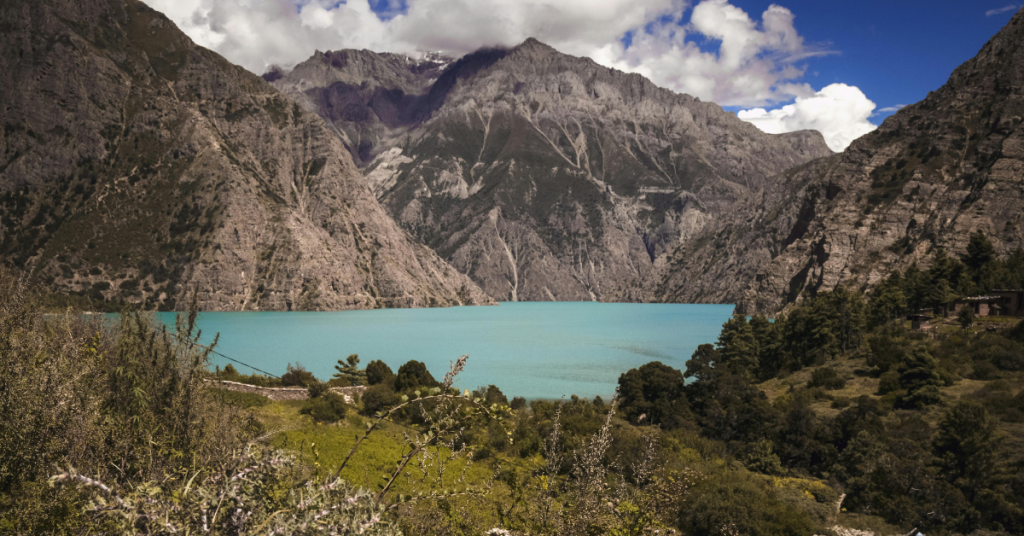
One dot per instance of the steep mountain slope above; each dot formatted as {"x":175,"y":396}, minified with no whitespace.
{"x":135,"y":165}
{"x":543,"y":176}
{"x":932,"y":174}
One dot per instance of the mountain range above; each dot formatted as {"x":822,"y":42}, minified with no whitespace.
{"x":930,"y":176}
{"x":136,"y":166}
{"x":541,"y":175}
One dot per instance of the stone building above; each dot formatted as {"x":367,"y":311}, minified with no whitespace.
{"x":1000,"y":302}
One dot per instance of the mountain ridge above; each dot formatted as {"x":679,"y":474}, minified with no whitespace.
{"x":596,"y":173}
{"x":931,"y":175}
{"x":136,"y":165}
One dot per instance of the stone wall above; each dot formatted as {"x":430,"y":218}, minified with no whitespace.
{"x":285,"y":393}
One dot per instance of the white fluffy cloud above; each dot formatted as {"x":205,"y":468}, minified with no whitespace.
{"x":840,"y":112}
{"x":712,"y":50}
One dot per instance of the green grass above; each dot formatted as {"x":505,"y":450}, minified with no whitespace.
{"x":325,"y":446}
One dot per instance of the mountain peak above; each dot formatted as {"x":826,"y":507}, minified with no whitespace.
{"x":532,"y":44}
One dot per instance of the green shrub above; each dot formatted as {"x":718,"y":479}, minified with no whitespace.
{"x":378,"y":372}
{"x":297,"y":376}
{"x":734,"y":503}
{"x":123,"y":402}
{"x":1002,"y":352}
{"x":317,"y":388}
{"x":889,"y":382}
{"x":826,"y":378}
{"x":654,"y":394}
{"x":490,"y":395}
{"x":379,"y":397}
{"x":984,"y":370}
{"x":229,"y":373}
{"x":414,"y":375}
{"x":277,"y":496}
{"x":761,"y":458}
{"x":328,"y":407}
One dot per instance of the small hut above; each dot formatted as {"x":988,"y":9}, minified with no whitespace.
{"x":980,"y":305}
{"x":1012,"y":301}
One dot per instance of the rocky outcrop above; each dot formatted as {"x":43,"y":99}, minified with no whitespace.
{"x":929,"y":177}
{"x":135,"y":165}
{"x":540,"y":175}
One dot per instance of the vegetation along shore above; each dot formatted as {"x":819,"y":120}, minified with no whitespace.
{"x":832,"y":418}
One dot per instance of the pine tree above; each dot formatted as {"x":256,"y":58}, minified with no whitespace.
{"x":349,"y":371}
{"x":888,"y":303}
{"x":738,"y":347}
{"x":966,"y":446}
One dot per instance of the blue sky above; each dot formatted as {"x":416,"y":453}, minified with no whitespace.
{"x":895,"y":51}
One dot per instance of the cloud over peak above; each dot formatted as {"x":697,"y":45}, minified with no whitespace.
{"x":840,"y":112}
{"x":712,"y":50}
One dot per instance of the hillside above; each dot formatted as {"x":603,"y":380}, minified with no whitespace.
{"x":930,"y":176}
{"x":135,"y":165}
{"x":541,"y":175}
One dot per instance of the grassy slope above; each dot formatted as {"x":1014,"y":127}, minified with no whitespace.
{"x":325,"y":445}
{"x":860,"y":383}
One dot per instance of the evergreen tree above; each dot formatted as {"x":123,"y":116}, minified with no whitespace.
{"x":915,"y":288}
{"x":378,"y":372}
{"x":738,"y":347}
{"x":966,"y":318}
{"x":654,"y":394}
{"x":888,"y":302}
{"x":920,"y":377}
{"x":941,"y":296}
{"x":982,"y":265}
{"x":965,"y":445}
{"x":414,"y":375}
{"x":812,"y":332}
{"x":771,"y":355}
{"x":849,"y":311}
{"x":349,"y":371}
{"x":980,"y":253}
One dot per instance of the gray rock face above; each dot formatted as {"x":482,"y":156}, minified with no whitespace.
{"x":540,"y":175}
{"x":135,"y":165}
{"x":929,"y":177}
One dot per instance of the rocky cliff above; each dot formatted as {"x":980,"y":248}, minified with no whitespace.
{"x":931,"y":175}
{"x":540,"y":175}
{"x":135,"y":165}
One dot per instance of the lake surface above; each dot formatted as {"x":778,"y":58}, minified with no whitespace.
{"x":533,"y":349}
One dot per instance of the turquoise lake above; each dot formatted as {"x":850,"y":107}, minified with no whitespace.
{"x":532,"y":349}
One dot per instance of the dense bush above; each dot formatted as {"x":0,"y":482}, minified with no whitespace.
{"x":733,"y":503}
{"x":328,"y":407}
{"x":1002,"y":352}
{"x":889,"y":382}
{"x":378,"y":372}
{"x":379,"y":397}
{"x":229,"y":373}
{"x":490,"y":395}
{"x":654,"y":394}
{"x":298,"y":376}
{"x":826,"y":378}
{"x":123,"y":403}
{"x":414,"y":375}
{"x":257,"y":492}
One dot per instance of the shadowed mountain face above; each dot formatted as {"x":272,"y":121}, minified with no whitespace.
{"x":540,"y":175}
{"x":135,"y":165}
{"x":929,"y":177}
